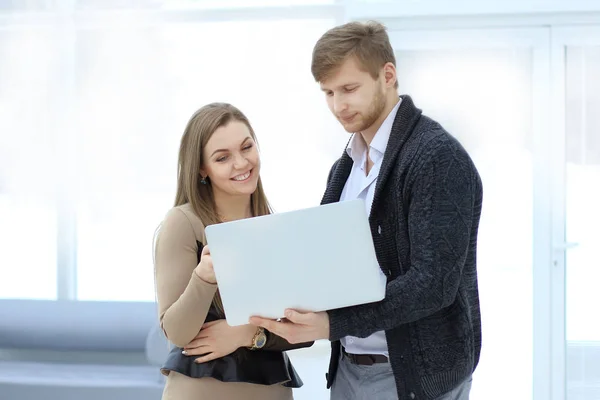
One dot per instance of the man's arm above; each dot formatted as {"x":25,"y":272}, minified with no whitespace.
{"x":440,"y":216}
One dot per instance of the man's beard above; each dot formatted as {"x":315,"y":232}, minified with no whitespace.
{"x":373,"y":113}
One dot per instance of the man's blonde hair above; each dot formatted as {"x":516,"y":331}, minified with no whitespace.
{"x":367,"y":42}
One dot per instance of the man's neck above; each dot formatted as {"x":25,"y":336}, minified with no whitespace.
{"x":369,"y":133}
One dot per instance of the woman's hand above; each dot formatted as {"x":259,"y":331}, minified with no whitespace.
{"x":217,"y":339}
{"x":205,"y":269}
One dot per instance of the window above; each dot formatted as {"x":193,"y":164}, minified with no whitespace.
{"x":241,"y":3}
{"x":197,"y":4}
{"x":582,"y":189}
{"x":29,"y":163}
{"x":583,"y":144}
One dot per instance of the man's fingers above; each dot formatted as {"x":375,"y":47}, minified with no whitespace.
{"x":268,"y":324}
{"x":298,"y":317}
{"x":278,"y":328}
{"x":263,"y":322}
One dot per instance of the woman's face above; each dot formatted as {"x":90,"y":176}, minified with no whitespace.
{"x":231,"y":160}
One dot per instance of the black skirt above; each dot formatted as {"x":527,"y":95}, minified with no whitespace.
{"x":262,"y":367}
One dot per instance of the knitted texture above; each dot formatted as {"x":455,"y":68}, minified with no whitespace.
{"x":424,"y":223}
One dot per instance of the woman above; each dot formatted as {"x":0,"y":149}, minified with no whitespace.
{"x":218,"y":180}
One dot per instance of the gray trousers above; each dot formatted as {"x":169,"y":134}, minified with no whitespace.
{"x":376,"y":382}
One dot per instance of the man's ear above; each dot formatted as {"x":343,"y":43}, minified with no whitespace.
{"x":389,"y":74}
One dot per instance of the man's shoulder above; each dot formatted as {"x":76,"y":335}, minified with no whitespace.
{"x":434,"y":149}
{"x":429,"y":140}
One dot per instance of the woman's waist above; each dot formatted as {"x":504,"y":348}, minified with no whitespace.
{"x":243,"y":365}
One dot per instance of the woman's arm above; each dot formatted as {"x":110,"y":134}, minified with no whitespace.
{"x":183,"y":298}
{"x":217,"y":339}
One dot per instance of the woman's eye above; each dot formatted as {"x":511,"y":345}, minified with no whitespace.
{"x":221,"y":159}
{"x":247,"y":147}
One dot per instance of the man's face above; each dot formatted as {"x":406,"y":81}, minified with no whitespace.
{"x":354,"y":97}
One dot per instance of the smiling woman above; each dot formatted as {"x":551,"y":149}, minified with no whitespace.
{"x":218,"y":180}
{"x":232,"y":163}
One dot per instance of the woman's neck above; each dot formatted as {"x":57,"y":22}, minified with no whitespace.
{"x":231,"y":208}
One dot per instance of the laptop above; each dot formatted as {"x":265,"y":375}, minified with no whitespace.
{"x":314,"y":259}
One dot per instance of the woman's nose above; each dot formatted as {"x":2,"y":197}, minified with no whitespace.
{"x":240,"y":161}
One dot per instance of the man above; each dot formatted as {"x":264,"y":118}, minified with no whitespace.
{"x":424,"y":197}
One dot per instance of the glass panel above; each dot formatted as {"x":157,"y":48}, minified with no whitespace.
{"x":483,"y":97}
{"x":583,"y":222}
{"x":136,"y":91}
{"x":28,"y":74}
{"x":207,"y":4}
{"x":195,"y":4}
{"x":26,"y":5}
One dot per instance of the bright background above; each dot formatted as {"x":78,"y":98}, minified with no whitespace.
{"x":94,"y":97}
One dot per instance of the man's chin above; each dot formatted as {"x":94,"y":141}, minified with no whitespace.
{"x":351,"y":128}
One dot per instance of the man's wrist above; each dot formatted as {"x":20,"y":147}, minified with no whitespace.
{"x":326,"y":327}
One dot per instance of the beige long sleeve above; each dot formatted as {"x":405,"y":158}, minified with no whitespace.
{"x":183,"y":298}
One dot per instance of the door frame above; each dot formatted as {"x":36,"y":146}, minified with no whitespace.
{"x":562,"y":37}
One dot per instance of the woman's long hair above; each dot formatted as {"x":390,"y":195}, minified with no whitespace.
{"x":200,"y":128}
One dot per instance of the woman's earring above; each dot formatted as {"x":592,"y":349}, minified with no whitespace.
{"x":203,"y":181}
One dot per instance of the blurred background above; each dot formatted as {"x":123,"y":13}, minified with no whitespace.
{"x":94,"y":97}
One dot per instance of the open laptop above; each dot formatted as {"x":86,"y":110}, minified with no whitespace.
{"x":313,"y":259}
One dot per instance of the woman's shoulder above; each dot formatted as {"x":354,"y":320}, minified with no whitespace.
{"x":183,"y":218}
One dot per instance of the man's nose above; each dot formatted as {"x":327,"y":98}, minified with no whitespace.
{"x":339,"y":104}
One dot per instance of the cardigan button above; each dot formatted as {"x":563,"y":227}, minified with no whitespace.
{"x":379,"y":229}
{"x":412,"y":395}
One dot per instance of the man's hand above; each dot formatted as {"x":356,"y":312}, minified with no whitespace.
{"x":297,"y":327}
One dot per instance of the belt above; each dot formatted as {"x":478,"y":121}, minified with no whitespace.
{"x":365,"y":359}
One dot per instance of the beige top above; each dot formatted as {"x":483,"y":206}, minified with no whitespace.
{"x":183,"y":298}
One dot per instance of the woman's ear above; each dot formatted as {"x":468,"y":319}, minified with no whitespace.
{"x":203,"y":173}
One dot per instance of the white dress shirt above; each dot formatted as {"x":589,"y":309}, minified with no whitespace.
{"x":362,"y":186}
